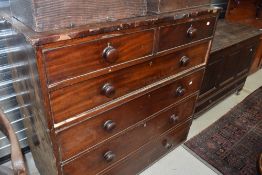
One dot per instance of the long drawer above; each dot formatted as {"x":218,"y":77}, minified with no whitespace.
{"x":75,"y":60}
{"x":115,"y":149}
{"x":97,"y":91}
{"x":151,"y":152}
{"x":180,"y":34}
{"x":113,"y":122}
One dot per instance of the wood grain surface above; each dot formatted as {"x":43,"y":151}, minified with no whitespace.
{"x":122,"y":146}
{"x":69,"y":62}
{"x":150,"y":152}
{"x":175,"y":35}
{"x":46,"y":15}
{"x":89,"y":93}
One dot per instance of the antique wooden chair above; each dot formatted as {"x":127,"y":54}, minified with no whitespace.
{"x":16,"y":155}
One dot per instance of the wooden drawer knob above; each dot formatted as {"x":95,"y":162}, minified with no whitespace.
{"x":180,"y":91}
{"x":109,"y":125}
{"x":184,"y":61}
{"x":109,"y":156}
{"x":108,"y":90}
{"x":174,"y":119}
{"x":192,"y":32}
{"x":110,"y":54}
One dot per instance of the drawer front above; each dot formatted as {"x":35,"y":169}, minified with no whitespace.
{"x":180,"y":34}
{"x":111,"y":123}
{"x":97,"y":91}
{"x":68,"y":62}
{"x":219,"y":94}
{"x":119,"y":147}
{"x":150,"y":152}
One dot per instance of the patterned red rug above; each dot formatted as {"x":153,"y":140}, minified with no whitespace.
{"x":232,"y":144}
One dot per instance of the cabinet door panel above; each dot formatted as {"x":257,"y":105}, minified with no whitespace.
{"x":246,"y":57}
{"x":212,"y":74}
{"x":230,"y":65}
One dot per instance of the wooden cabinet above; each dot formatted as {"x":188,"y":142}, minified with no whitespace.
{"x":247,"y":12}
{"x":233,"y":50}
{"x":112,"y":98}
{"x":257,"y":63}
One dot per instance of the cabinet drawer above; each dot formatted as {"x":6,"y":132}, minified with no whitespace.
{"x":126,"y":143}
{"x":72,"y":61}
{"x":180,"y":34}
{"x":97,"y":91}
{"x":111,"y":123}
{"x":150,"y":152}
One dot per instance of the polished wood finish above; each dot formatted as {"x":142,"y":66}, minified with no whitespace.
{"x":104,"y":93}
{"x":92,"y":93}
{"x":175,"y":35}
{"x":233,"y":50}
{"x":151,"y":152}
{"x":161,"y":6}
{"x":120,"y":146}
{"x":82,"y":58}
{"x":134,"y":111}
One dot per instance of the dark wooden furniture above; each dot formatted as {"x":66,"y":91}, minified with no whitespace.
{"x":233,"y":50}
{"x":257,"y":62}
{"x":16,"y":154}
{"x":247,"y":12}
{"x":112,"y":98}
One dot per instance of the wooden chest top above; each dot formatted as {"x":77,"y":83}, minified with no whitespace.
{"x":43,"y":38}
{"x":228,"y":34}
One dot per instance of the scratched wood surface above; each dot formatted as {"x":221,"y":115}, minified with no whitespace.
{"x":161,"y":6}
{"x":45,"y":15}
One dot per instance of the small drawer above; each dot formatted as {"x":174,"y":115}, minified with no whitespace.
{"x":116,"y":149}
{"x":76,"y":60}
{"x":111,"y":123}
{"x":97,"y":91}
{"x":180,"y":34}
{"x":151,"y":152}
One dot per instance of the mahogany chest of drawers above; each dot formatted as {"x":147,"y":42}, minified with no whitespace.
{"x":113,"y":98}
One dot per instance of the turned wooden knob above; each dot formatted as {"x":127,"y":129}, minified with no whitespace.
{"x":110,"y":54}
{"x":184,"y":61}
{"x":109,"y":125}
{"x":192,"y":32}
{"x":174,"y":119}
{"x":180,"y":91}
{"x":108,"y":90}
{"x":109,"y":156}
